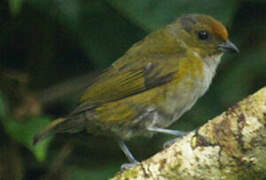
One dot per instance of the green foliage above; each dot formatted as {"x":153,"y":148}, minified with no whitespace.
{"x":2,"y":107}
{"x":55,"y":42}
{"x":15,"y":6}
{"x":254,"y":73}
{"x":24,"y":133}
{"x":152,"y":15}
{"x":100,"y":173}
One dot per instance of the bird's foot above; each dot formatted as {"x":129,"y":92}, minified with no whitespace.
{"x":129,"y":165}
{"x":179,"y":135}
{"x":132,"y":161}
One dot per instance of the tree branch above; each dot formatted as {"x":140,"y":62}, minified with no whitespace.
{"x":231,"y":146}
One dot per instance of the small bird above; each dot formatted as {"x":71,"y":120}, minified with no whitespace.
{"x":152,"y":85}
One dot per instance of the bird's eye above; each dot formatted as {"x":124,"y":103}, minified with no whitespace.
{"x":203,"y":35}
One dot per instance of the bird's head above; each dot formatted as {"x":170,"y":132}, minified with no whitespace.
{"x":202,"y":34}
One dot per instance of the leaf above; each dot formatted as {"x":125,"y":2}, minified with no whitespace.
{"x":103,"y":172}
{"x":102,"y":33}
{"x":24,"y":133}
{"x":246,"y":76}
{"x":152,"y":14}
{"x":2,"y":106}
{"x":15,"y":6}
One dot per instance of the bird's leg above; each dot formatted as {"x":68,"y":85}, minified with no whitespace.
{"x":130,"y":157}
{"x":178,"y":134}
{"x":168,"y":131}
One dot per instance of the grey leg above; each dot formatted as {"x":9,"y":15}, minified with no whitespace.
{"x":176,"y":133}
{"x":168,"y":131}
{"x":130,"y":157}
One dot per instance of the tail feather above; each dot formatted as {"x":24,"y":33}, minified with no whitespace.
{"x":49,"y":130}
{"x":71,"y":124}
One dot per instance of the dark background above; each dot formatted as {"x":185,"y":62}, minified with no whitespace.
{"x":51,"y":49}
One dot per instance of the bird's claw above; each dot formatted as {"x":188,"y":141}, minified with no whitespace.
{"x":129,"y":165}
{"x":172,"y":141}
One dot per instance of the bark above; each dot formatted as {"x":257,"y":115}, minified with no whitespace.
{"x":231,"y":146}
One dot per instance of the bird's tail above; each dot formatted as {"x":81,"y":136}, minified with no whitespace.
{"x":48,"y":130}
{"x":60,"y":125}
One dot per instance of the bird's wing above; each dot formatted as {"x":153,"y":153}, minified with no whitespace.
{"x":127,"y":77}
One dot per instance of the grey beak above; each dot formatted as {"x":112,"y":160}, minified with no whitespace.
{"x":228,"y":46}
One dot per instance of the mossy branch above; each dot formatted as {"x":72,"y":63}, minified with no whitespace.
{"x":231,"y":146}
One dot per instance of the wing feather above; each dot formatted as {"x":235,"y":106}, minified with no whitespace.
{"x":122,"y":80}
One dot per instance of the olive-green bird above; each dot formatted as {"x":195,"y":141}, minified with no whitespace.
{"x":149,"y":88}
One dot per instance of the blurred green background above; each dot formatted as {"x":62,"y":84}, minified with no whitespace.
{"x":51,"y":49}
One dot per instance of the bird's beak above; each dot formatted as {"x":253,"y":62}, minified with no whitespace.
{"x":228,"y":46}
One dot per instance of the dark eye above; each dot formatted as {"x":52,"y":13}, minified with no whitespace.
{"x":203,"y":35}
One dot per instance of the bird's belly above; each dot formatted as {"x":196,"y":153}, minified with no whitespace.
{"x":180,"y":99}
{"x":177,"y":103}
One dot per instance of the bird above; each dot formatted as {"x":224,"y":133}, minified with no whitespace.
{"x":152,"y":85}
